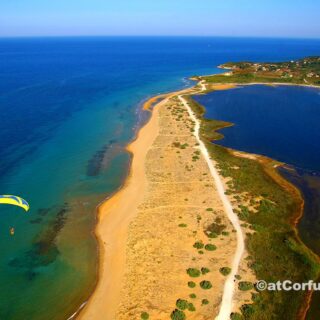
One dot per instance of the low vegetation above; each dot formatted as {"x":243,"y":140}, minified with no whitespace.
{"x":182,"y":304}
{"x":182,"y":225}
{"x":225,"y":271}
{"x":191,"y":307}
{"x":204,"y":301}
{"x":198,"y":245}
{"x":205,"y":285}
{"x":236,"y":316}
{"x":245,"y":285}
{"x":205,"y":270}
{"x":194,"y":273}
{"x":214,"y":229}
{"x":178,"y":315}
{"x":179,"y":145}
{"x":210,"y":247}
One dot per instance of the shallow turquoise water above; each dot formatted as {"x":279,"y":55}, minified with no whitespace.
{"x":69,"y":106}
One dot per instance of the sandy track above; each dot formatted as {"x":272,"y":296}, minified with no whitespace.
{"x":227,"y":298}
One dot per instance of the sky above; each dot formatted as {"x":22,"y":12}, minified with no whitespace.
{"x":259,"y":18}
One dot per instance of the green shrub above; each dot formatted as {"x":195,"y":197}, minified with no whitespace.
{"x":215,"y":227}
{"x":256,"y":297}
{"x":191,"y":284}
{"x":210,"y":247}
{"x":212,"y":235}
{"x":205,"y":270}
{"x":192,"y":296}
{"x":244,"y":213}
{"x":191,"y":307}
{"x":192,"y":272}
{"x":236,"y":316}
{"x":245,"y":285}
{"x":205,"y":285}
{"x":182,"y":225}
{"x":198,"y":245}
{"x":200,"y":252}
{"x":178,"y":315}
{"x":182,"y":304}
{"x":238,"y":277}
{"x":225,"y":271}
{"x":204,"y":301}
{"x":209,"y":209}
{"x":247,"y":311}
{"x":144,"y":316}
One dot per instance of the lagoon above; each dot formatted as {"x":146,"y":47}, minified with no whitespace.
{"x":280,"y":122}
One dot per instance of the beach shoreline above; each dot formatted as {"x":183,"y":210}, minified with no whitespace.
{"x":93,"y":307}
{"x":118,"y":222}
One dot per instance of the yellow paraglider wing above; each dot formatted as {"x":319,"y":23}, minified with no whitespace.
{"x":15,"y":201}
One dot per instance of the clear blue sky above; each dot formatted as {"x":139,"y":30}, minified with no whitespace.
{"x":284,"y":18}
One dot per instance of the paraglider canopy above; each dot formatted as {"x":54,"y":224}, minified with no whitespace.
{"x":15,"y":201}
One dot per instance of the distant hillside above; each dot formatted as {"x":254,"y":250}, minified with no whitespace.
{"x":303,"y":71}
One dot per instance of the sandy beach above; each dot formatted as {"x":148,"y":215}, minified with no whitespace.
{"x":114,"y":216}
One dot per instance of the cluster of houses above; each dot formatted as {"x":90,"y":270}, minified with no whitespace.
{"x":307,"y":68}
{"x":286,"y":70}
{"x":312,"y":74}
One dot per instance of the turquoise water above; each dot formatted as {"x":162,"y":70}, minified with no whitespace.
{"x":69,"y":106}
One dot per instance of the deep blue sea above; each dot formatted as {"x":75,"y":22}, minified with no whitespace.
{"x":68,"y":107}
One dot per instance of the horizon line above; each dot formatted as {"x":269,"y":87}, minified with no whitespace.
{"x":160,"y":36}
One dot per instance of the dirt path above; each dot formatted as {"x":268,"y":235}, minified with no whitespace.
{"x":227,"y":298}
